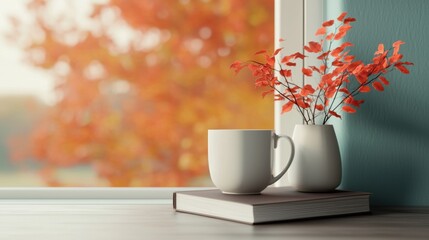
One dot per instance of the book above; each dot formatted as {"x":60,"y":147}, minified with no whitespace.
{"x":272,"y":205}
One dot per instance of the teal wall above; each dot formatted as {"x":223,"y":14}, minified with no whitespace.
{"x":385,"y":145}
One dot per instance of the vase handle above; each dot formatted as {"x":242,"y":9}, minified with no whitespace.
{"x":276,"y":138}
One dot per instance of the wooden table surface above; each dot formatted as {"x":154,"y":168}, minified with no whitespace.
{"x":46,"y":221}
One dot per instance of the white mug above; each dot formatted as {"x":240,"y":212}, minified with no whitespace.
{"x":240,"y":161}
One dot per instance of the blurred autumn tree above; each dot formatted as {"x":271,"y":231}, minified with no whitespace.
{"x":139,"y":82}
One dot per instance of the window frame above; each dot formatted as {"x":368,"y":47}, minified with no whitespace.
{"x":307,"y":16}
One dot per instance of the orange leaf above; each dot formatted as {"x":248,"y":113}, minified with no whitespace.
{"x":349,"y":58}
{"x":362,"y":77}
{"x":313,"y":47}
{"x":319,"y":107}
{"x":353,"y":66}
{"x":330,"y":36}
{"x":342,"y":31}
{"x":396,"y":45}
{"x":300,"y":102}
{"x":337,"y":51}
{"x":346,"y":79}
{"x":260,"y":82}
{"x":298,"y":55}
{"x":344,"y":90}
{"x":290,"y":64}
{"x":348,"y":109}
{"x":334,"y":114}
{"x":270,"y":60}
{"x":341,"y":17}
{"x":346,"y":44}
{"x":321,"y":31}
{"x":378,"y":86}
{"x":327,"y":78}
{"x":278,"y":97}
{"x":287,"y":107}
{"x":237,"y":66}
{"x":339,"y":35}
{"x":330,"y":92}
{"x":267,"y":92}
{"x":307,"y":72}
{"x":354,"y":102}
{"x":328,"y":23}
{"x":307,"y":89}
{"x":384,"y":80}
{"x":337,"y":63}
{"x":255,"y":69}
{"x":308,"y":49}
{"x":281,"y":40}
{"x":401,"y":68}
{"x":326,"y":102}
{"x":348,"y":20}
{"x":380,"y":49}
{"x":345,"y":28}
{"x":342,"y":55}
{"x":315,"y":69}
{"x":277,"y":51}
{"x":364,"y":89}
{"x":260,"y":52}
{"x":323,"y":55}
{"x":274,"y":81}
{"x":286,"y":59}
{"x":293,"y":89}
{"x":395,"y":58}
{"x":286,"y":73}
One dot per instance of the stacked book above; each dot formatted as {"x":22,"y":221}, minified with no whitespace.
{"x":274,"y":204}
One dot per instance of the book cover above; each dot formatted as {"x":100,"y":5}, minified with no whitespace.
{"x":274,"y":204}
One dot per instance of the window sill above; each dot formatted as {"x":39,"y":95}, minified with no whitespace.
{"x":86,"y":201}
{"x":138,"y":195}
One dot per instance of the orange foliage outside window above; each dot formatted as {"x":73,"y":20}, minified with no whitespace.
{"x":138,"y":112}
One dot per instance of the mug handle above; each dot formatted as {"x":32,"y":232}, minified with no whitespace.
{"x":276,"y":138}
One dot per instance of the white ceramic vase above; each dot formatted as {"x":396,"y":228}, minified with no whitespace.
{"x":317,"y":163}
